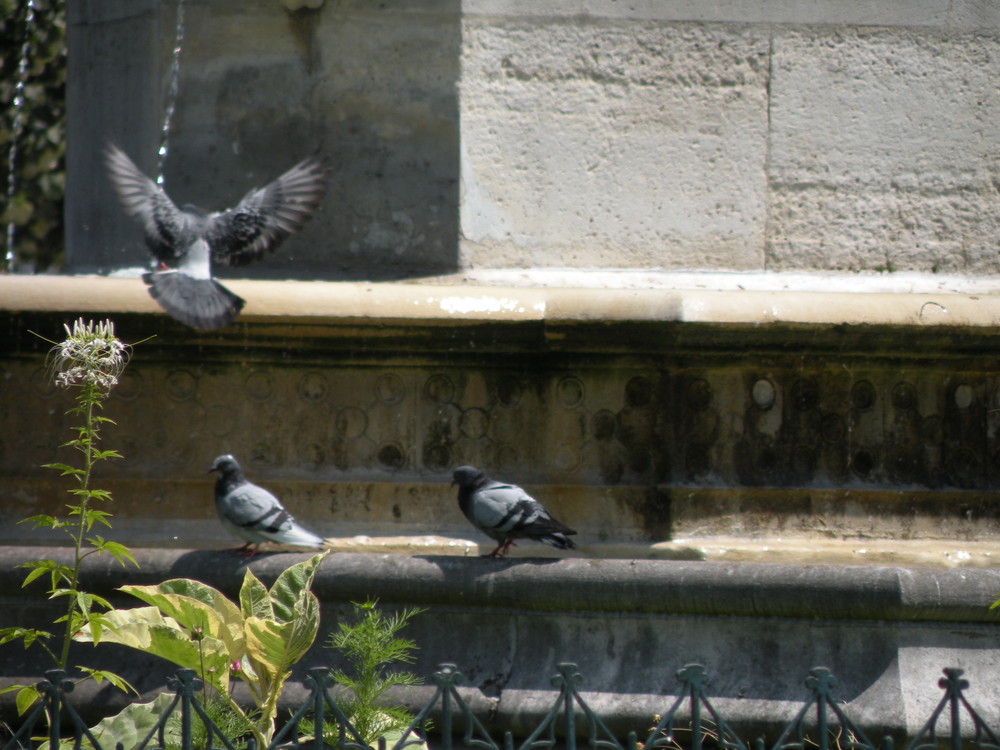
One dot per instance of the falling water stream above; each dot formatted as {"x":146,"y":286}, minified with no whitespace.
{"x":175,"y":75}
{"x":10,"y":260}
{"x":10,"y":256}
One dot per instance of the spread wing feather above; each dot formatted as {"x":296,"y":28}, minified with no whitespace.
{"x":163,"y":224}
{"x":267,"y":215}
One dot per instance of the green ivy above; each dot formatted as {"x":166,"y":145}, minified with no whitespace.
{"x":36,"y":209}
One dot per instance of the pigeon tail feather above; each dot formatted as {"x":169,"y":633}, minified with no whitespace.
{"x":200,"y":303}
{"x":559,"y":541}
{"x":296,"y":535}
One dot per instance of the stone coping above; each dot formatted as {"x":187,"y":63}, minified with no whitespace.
{"x":792,"y":549}
{"x":668,"y":587}
{"x":456,"y":300}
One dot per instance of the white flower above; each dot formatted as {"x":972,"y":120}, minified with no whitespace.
{"x":90,"y":355}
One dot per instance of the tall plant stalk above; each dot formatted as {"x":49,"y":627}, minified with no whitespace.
{"x":90,"y":359}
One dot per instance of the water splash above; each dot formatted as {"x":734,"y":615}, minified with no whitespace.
{"x":175,"y":77}
{"x":10,"y":257}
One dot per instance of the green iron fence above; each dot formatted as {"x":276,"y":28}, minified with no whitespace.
{"x":691,"y":722}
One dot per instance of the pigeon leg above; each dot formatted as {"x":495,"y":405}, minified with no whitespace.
{"x":501,"y":549}
{"x":246,"y":552}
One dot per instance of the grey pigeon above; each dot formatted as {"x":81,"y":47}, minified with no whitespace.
{"x":505,"y":512}
{"x":187,"y":241}
{"x":253,"y":514}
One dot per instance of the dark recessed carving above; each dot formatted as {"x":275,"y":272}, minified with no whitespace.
{"x":805,"y":395}
{"x":863,"y":395}
{"x":639,"y":392}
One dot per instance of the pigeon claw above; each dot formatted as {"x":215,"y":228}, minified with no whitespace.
{"x":501,"y":549}
{"x":246,"y":552}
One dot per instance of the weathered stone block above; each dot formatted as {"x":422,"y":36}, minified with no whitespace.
{"x":614,"y":144}
{"x":880,"y":156}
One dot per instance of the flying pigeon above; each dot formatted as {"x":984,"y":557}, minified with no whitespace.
{"x":187,"y":241}
{"x":505,"y":512}
{"x":252,"y":513}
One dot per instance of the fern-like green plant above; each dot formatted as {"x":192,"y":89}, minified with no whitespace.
{"x":371,"y":644}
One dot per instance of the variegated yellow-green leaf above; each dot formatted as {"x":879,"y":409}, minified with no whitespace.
{"x":146,"y":629}
{"x":266,"y":646}
{"x":254,"y":601}
{"x":274,"y":646}
{"x":291,"y":584}
{"x":196,"y":605}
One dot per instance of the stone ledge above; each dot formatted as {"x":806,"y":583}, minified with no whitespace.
{"x":573,"y":584}
{"x":927,"y":13}
{"x":447,"y":302}
{"x":885,"y":633}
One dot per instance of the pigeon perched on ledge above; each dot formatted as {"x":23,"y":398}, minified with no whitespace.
{"x":187,"y":241}
{"x":505,"y":512}
{"x":253,"y":514}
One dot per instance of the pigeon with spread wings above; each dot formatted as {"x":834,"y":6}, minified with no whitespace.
{"x":187,"y":241}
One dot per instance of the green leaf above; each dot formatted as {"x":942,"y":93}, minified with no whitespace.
{"x":118,"y":551}
{"x":100,"y":675}
{"x":254,"y":599}
{"x":56,"y":571}
{"x":28,"y":635}
{"x":146,"y":629}
{"x":266,"y":650}
{"x":196,"y":605}
{"x":288,"y":588}
{"x":26,"y":698}
{"x":274,"y":645}
{"x":39,"y":521}
{"x":64,"y":468}
{"x":130,"y":726}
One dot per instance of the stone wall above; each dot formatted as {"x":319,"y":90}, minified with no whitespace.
{"x":650,"y":420}
{"x":885,"y":633}
{"x":588,"y":134}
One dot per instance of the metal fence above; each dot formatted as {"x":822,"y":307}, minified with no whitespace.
{"x":690,"y":723}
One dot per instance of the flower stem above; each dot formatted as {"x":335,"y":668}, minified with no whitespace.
{"x":89,"y":435}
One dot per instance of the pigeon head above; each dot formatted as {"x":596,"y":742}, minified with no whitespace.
{"x":225,"y":464}
{"x":468,"y":476}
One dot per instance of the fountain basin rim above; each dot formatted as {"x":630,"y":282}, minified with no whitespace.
{"x":450,"y":303}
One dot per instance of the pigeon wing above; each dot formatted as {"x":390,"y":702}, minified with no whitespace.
{"x":250,"y":508}
{"x":499,"y":507}
{"x":514,"y":513}
{"x":267,"y":216}
{"x":163,"y":225}
{"x":260,"y":517}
